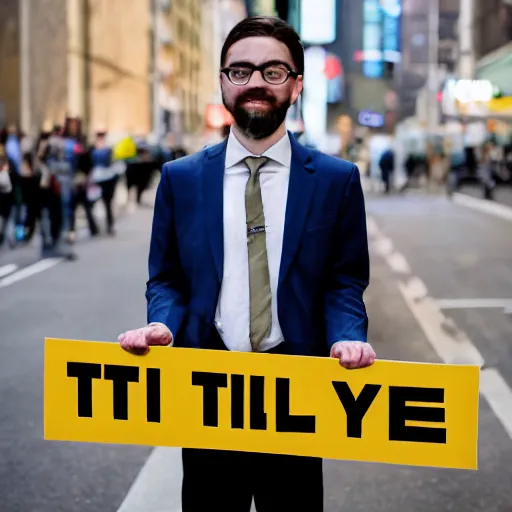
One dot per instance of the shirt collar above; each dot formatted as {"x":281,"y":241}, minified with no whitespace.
{"x":280,"y":152}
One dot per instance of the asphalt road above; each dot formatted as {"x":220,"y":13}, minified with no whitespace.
{"x":456,"y":252}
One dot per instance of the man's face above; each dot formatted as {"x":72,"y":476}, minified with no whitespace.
{"x":258,"y":107}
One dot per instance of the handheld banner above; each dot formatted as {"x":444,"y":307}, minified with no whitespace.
{"x":392,"y":412}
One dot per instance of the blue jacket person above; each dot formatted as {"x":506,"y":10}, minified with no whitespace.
{"x":258,"y":244}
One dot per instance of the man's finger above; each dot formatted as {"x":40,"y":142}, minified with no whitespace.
{"x":157,"y":335}
{"x":365,"y":357}
{"x":356,"y":351}
{"x":344,"y":356}
{"x":139,"y":351}
{"x":134,"y":342}
{"x":368,"y":356}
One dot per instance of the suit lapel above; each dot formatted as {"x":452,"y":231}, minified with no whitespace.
{"x":213,"y":192}
{"x":300,"y":193}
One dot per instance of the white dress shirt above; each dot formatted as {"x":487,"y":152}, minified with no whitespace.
{"x":232,"y":318}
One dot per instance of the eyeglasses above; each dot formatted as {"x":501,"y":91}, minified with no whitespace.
{"x":273,"y":73}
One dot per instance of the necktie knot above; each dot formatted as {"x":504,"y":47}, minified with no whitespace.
{"x":255,"y":163}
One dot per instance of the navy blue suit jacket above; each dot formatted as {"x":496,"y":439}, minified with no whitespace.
{"x":324,"y":267}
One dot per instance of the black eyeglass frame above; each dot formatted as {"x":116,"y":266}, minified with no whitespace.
{"x":261,"y":68}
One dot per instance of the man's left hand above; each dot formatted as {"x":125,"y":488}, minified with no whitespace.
{"x":353,"y":354}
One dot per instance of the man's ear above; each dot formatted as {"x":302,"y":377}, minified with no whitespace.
{"x":297,"y":89}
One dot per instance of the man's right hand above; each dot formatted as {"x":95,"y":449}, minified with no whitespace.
{"x":138,"y":341}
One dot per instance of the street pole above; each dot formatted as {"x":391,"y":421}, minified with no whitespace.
{"x":24,"y":16}
{"x":217,"y":41}
{"x":433,"y":65}
{"x":76,"y":59}
{"x":155,"y":72}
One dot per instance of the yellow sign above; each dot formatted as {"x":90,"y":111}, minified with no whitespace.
{"x":392,"y":412}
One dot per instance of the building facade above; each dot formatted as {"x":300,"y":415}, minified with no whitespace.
{"x":492,"y":42}
{"x":86,"y":58}
{"x":10,"y":94}
{"x":33,"y":62}
{"x":178,"y":54}
{"x":117,"y":70}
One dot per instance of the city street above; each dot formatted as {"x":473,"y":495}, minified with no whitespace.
{"x":441,"y":291}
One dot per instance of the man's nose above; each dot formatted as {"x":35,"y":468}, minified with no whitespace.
{"x":257,"y":79}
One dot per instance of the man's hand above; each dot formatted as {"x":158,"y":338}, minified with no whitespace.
{"x":138,"y":341}
{"x":353,"y":354}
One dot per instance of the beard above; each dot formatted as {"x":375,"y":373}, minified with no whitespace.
{"x":257,"y":124}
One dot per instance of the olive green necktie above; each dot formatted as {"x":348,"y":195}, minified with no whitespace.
{"x":259,"y":277}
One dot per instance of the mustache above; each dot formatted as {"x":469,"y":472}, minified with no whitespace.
{"x":255,"y":95}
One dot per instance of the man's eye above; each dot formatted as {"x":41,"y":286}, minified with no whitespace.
{"x":240,"y":73}
{"x":274,"y":72}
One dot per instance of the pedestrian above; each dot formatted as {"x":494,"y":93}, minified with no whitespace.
{"x":258,"y":244}
{"x":30,"y":190}
{"x":485,"y":174}
{"x":78,"y":157}
{"x":105,"y":175}
{"x":6,"y":193}
{"x":387,"y":167}
{"x":50,"y":205}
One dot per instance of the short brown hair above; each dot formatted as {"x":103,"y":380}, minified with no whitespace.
{"x":266,"y":26}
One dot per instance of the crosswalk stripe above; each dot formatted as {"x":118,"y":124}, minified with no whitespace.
{"x":8,"y":269}
{"x":40,"y":266}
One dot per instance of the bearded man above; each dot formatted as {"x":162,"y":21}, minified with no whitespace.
{"x":258,"y":244}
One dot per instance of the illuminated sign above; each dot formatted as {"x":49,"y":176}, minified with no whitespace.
{"x":314,"y":106}
{"x":381,"y":36}
{"x":370,"y":119}
{"x":467,"y":91}
{"x":391,"y":31}
{"x":391,"y":8}
{"x":372,"y":39}
{"x":335,"y":78}
{"x":318,"y":21}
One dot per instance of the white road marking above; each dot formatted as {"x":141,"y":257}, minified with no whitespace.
{"x":499,"y":396}
{"x":157,"y":488}
{"x":416,"y":289}
{"x":452,"y":345}
{"x":31,"y":270}
{"x":383,"y":246}
{"x":8,"y":269}
{"x":505,"y":304}
{"x":483,"y":205}
{"x":371,"y":227}
{"x":398,"y":263}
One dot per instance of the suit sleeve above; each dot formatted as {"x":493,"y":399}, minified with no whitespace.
{"x":166,"y":287}
{"x":345,"y":312}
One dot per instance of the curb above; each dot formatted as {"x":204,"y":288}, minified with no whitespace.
{"x":482,"y":205}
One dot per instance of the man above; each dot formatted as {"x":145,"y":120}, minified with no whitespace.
{"x":387,"y":167}
{"x":258,"y":244}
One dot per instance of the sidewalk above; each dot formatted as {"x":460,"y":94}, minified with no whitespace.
{"x":502,"y":193}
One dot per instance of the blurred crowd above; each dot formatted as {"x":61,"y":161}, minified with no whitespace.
{"x":43,"y":183}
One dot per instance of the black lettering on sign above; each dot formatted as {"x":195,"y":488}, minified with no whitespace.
{"x":237,"y":401}
{"x":356,"y":408}
{"x":257,"y":403}
{"x":399,"y":412}
{"x":153,"y":395}
{"x":210,"y":382}
{"x":285,"y":422}
{"x":120,"y":376}
{"x":84,"y":372}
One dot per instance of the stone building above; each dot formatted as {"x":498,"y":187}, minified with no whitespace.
{"x":87,"y":58}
